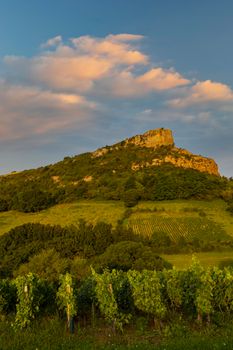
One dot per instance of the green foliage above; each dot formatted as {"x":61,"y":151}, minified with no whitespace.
{"x":226,"y":263}
{"x":111,"y":177}
{"x":174,"y":288}
{"x":7,"y":296}
{"x":66,"y":296}
{"x":107,"y":285}
{"x":29,"y":300}
{"x":47,"y":265}
{"x":4,"y":205}
{"x":131,"y":198}
{"x":30,"y":198}
{"x":127,"y":255}
{"x":146,"y":290}
{"x":230,"y":207}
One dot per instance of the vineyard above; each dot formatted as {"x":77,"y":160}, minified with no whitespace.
{"x":119,"y":297}
{"x":177,"y":227}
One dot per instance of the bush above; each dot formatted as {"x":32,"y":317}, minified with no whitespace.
{"x":131,"y":198}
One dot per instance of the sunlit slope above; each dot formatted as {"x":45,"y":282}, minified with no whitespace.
{"x":66,"y":214}
{"x":201,"y":218}
{"x":206,"y":220}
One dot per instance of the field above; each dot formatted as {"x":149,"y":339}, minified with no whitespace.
{"x":188,"y":219}
{"x":207,"y":259}
{"x":66,"y":214}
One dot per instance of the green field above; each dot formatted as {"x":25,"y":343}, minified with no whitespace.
{"x":207,"y":259}
{"x":66,"y":214}
{"x":178,"y":218}
{"x":188,"y":219}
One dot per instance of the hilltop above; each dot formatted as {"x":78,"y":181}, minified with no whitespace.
{"x":143,"y":167}
{"x":163,"y":138}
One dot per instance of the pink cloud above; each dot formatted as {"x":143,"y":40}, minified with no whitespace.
{"x":72,"y":73}
{"x":88,"y":64}
{"x":156,"y":79}
{"x":161,"y":79}
{"x":115,"y":47}
{"x":30,"y":111}
{"x":204,"y":92}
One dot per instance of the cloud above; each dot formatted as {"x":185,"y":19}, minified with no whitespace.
{"x":52,"y":42}
{"x":126,"y":84}
{"x":161,"y":79}
{"x":204,"y":92}
{"x":116,"y":48}
{"x":28,"y":111}
{"x":88,"y":64}
{"x":66,"y":84}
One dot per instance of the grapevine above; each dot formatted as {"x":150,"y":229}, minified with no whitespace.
{"x":106,"y":298}
{"x":66,"y":298}
{"x":147,"y":296}
{"x":29,"y":298}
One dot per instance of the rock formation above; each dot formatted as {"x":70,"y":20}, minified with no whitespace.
{"x":153,"y":139}
{"x":157,"y":138}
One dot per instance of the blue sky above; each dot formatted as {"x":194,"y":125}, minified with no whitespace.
{"x":77,"y":75}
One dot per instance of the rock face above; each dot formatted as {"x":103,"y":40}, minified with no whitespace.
{"x":203,"y":164}
{"x":153,"y":138}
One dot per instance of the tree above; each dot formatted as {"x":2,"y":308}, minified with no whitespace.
{"x":127,"y":255}
{"x":47,"y":265}
{"x":131,"y":198}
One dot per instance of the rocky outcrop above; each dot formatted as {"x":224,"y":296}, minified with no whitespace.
{"x":202,"y":164}
{"x":152,"y":139}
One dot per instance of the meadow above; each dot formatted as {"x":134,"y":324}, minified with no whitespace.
{"x":207,"y":259}
{"x":66,"y":214}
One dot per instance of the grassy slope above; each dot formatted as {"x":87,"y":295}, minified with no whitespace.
{"x":66,"y":214}
{"x":183,"y":261}
{"x":111,"y":211}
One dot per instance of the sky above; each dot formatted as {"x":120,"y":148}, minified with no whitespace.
{"x":77,"y":75}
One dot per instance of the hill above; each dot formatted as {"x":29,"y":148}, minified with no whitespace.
{"x":206,"y":220}
{"x":144,"y":167}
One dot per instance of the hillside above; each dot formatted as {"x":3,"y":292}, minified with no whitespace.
{"x":144,"y":167}
{"x":211,"y":217}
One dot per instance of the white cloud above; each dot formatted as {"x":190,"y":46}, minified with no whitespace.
{"x":52,"y":42}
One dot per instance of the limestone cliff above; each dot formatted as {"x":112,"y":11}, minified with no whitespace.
{"x":154,"y":139}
